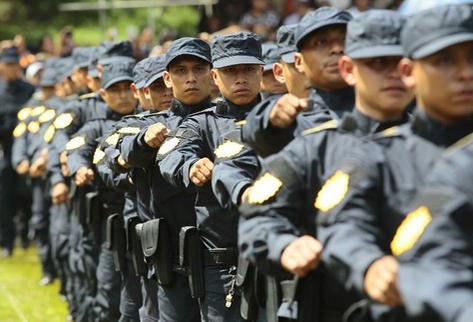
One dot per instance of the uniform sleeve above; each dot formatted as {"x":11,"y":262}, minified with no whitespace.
{"x":350,"y":231}
{"x":87,"y":141}
{"x":186,"y":148}
{"x":19,"y":149}
{"x":136,"y":152}
{"x":435,"y":278}
{"x":271,"y":217}
{"x":232,"y":176}
{"x":261,"y":135}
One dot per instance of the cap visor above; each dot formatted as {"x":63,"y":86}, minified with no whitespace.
{"x":187,"y":54}
{"x":317,"y":27}
{"x":117,"y":80}
{"x":237,"y":60}
{"x":376,"y":51}
{"x":47,"y":84}
{"x":288,"y":58}
{"x":442,"y":43}
{"x":93,"y":73}
{"x":154,"y":78}
{"x":109,"y":60}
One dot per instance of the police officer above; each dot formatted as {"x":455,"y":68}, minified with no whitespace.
{"x":376,"y":200}
{"x":270,"y":86}
{"x":14,"y":93}
{"x":187,"y":73}
{"x":237,"y":72}
{"x":320,"y":38}
{"x":116,"y":80}
{"x":280,"y":234}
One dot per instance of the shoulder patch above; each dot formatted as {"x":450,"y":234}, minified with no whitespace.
{"x":98,"y":156}
{"x":112,"y":139}
{"x":169,"y":145}
{"x":38,"y":110}
{"x":19,"y":130}
{"x":264,"y":188}
{"x":410,"y":230}
{"x":33,"y":127}
{"x":75,"y":143}
{"x":24,"y":113}
{"x":392,"y":131}
{"x":49,"y":134}
{"x":240,"y":123}
{"x":332,"y":192}
{"x":466,"y":140}
{"x":47,"y":116}
{"x":329,"y":125}
{"x":88,"y":95}
{"x":228,"y":149}
{"x":129,"y":130}
{"x":63,"y":120}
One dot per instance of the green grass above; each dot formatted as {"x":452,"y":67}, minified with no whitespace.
{"x":21,"y":298}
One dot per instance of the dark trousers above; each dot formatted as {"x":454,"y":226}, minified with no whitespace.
{"x":176,"y":303}
{"x":7,"y":206}
{"x":131,"y":298}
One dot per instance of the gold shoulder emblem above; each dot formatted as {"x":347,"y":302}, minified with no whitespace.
{"x":63,"y":121}
{"x":49,"y":134}
{"x":98,"y":156}
{"x":410,"y":230}
{"x":228,"y":149}
{"x":113,"y":139}
{"x":332,"y":192}
{"x":38,"y":110}
{"x":47,"y":116}
{"x":129,"y":130}
{"x":75,"y":143}
{"x":88,"y":95}
{"x":264,"y":188}
{"x":240,"y":123}
{"x":24,"y":113}
{"x":392,"y":131}
{"x":19,"y":130}
{"x":332,"y":124}
{"x":168,"y":145}
{"x":33,"y":127}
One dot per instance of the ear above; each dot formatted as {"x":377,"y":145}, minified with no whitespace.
{"x":278,"y":71}
{"x":103,"y":94}
{"x":346,"y":66}
{"x":167,"y":79}
{"x":299,"y":62}
{"x":406,"y":69}
{"x":147,"y":91}
{"x":213,"y":74}
{"x":134,"y":90}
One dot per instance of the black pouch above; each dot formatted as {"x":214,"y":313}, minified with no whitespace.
{"x":133,"y":246}
{"x":190,"y":257}
{"x":246,"y":281}
{"x":94,"y":212}
{"x":155,"y":240}
{"x":116,"y":241}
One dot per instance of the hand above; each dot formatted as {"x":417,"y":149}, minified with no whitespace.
{"x":60,"y":193}
{"x":38,"y":167}
{"x":286,"y":110}
{"x":23,"y":167}
{"x":201,"y":172}
{"x":63,"y":162}
{"x":302,"y":255}
{"x":244,"y":195}
{"x":84,"y":176}
{"x":380,"y":281}
{"x":122,"y":162}
{"x":155,"y":135}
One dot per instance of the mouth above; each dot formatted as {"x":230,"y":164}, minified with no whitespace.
{"x":465,"y":95}
{"x":241,"y":91}
{"x":394,"y":89}
{"x":191,"y":90}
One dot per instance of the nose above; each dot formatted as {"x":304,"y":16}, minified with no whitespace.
{"x":338,"y":47}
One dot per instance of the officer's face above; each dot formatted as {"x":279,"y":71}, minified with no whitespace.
{"x":119,"y":97}
{"x":159,"y":95}
{"x":319,"y":55}
{"x":139,"y":94}
{"x":379,"y":89}
{"x":240,"y":84}
{"x":297,"y":83}
{"x":10,"y":71}
{"x":189,"y":77}
{"x":69,"y":87}
{"x":271,"y":85}
{"x":79,"y":77}
{"x":443,"y":82}
{"x":93,"y":83}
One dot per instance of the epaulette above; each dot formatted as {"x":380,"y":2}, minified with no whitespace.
{"x":463,"y":142}
{"x":210,"y":110}
{"x":88,"y":95}
{"x":391,"y":132}
{"x":329,"y":125}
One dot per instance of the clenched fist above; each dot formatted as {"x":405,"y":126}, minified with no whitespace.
{"x":60,"y":193}
{"x":380,"y":281}
{"x":23,"y":167}
{"x":302,"y":255}
{"x":155,"y":135}
{"x":201,"y":172}
{"x":286,"y":110}
{"x":84,"y":176}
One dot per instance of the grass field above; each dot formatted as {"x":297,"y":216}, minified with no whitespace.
{"x":21,"y":298}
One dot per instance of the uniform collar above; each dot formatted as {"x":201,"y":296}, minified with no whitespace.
{"x":356,"y":121}
{"x":181,"y":109}
{"x":339,"y":101}
{"x":238,"y":112}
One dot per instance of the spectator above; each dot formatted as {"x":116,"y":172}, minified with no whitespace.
{"x":26,"y":57}
{"x":359,"y":6}
{"x":301,"y":8}
{"x":261,"y":19}
{"x":47,"y":49}
{"x":66,"y":44}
